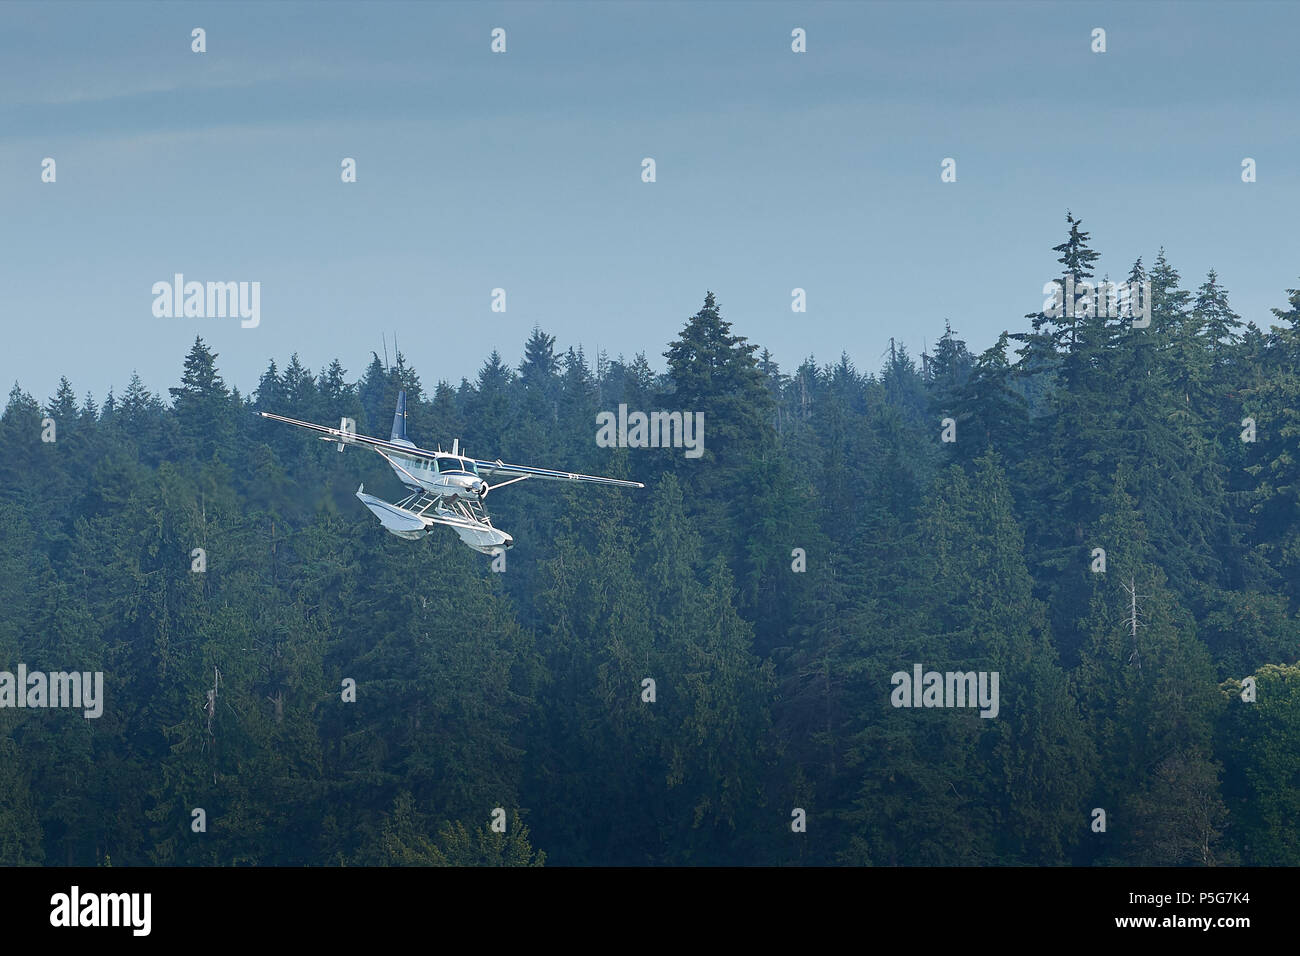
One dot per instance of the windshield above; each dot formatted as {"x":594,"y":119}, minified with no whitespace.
{"x":455,"y":464}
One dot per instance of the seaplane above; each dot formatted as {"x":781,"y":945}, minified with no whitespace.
{"x":447,"y":488}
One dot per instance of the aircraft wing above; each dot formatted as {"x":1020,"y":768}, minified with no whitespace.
{"x":502,"y":469}
{"x":380,"y":445}
{"x":486,"y":468}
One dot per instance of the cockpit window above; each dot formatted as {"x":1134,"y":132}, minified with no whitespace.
{"x":456,"y":464}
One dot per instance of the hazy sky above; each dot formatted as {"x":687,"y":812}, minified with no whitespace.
{"x":522,"y":170}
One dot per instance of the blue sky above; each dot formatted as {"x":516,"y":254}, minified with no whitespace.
{"x":521,"y":170}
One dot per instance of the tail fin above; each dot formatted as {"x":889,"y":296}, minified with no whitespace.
{"x":399,"y":419}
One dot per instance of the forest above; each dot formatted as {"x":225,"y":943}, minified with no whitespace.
{"x":1105,"y":515}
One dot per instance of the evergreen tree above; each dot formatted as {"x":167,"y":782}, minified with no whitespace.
{"x":203,"y":404}
{"x":1262,"y":765}
{"x":1146,"y":688}
{"x":1274,"y":403}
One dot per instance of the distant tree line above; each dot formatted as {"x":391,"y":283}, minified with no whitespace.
{"x":826,"y":539}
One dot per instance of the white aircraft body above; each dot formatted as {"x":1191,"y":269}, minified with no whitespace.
{"x":446,"y":488}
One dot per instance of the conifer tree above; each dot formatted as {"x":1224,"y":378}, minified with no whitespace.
{"x":1145,"y":683}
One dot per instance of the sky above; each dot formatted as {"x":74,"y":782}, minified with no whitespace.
{"x":522,"y":170}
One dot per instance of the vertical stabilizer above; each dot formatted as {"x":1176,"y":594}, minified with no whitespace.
{"x":399,"y":419}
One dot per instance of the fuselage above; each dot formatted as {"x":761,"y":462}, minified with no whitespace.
{"x":447,"y":475}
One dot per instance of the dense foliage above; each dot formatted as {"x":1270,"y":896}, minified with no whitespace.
{"x":523,"y":690}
